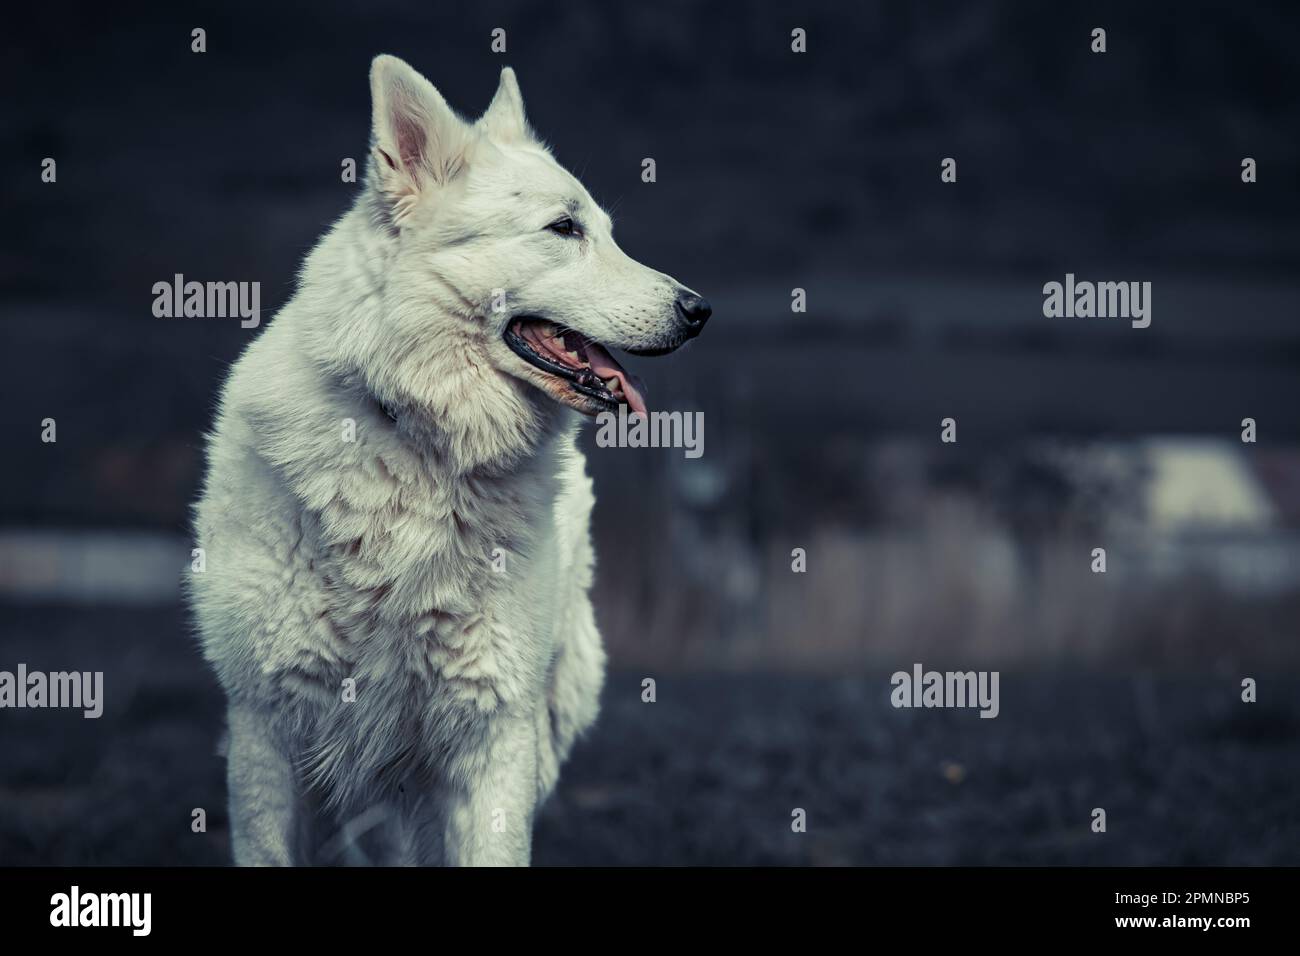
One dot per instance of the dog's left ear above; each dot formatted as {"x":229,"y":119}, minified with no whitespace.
{"x":504,"y":120}
{"x":418,"y":142}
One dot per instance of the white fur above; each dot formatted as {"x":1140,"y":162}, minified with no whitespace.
{"x":373,"y":559}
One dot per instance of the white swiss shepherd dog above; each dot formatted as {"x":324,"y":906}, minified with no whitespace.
{"x":395,"y":514}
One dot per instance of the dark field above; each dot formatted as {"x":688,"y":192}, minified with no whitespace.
{"x":711,"y":772}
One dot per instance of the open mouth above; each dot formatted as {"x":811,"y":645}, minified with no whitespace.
{"x":585,"y":365}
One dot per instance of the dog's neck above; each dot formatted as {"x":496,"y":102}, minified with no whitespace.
{"x":488,"y":451}
{"x":447,"y":399}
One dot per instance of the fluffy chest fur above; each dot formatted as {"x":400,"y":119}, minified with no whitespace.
{"x":386,"y":600}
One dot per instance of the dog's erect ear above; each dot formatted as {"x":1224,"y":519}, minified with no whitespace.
{"x":419,"y":141}
{"x":504,"y":120}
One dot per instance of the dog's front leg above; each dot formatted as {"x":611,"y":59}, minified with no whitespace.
{"x":490,"y":817}
{"x":263,"y":793}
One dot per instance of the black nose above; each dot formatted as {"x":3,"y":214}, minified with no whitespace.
{"x":694,"y":310}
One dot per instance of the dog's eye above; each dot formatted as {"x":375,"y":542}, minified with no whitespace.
{"x":565,"y":227}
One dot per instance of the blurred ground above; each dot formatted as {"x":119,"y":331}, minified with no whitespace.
{"x":710,"y":773}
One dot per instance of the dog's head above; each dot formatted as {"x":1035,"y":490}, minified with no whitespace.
{"x":489,"y":229}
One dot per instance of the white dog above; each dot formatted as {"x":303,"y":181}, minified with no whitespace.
{"x":395,"y":516}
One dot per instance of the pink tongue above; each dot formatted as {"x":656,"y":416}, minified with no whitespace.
{"x":605,"y":366}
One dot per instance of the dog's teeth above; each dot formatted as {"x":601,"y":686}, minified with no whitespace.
{"x":611,"y":383}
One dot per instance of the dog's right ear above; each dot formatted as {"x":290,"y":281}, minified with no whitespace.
{"x":418,"y":141}
{"x":504,"y":119}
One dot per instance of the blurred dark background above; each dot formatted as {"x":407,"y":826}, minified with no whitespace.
{"x":775,"y":170}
